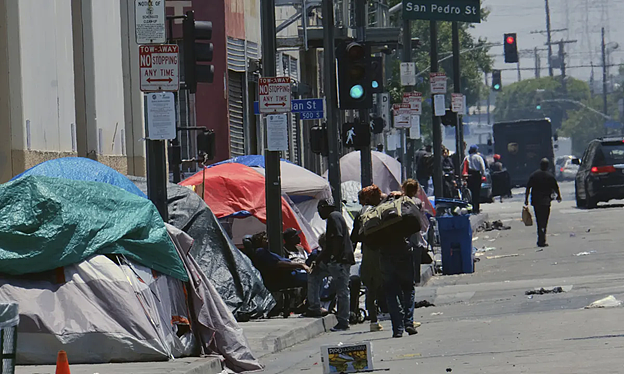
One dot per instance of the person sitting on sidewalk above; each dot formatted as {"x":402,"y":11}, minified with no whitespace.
{"x":335,"y":260}
{"x":277,"y":272}
{"x":293,"y":247}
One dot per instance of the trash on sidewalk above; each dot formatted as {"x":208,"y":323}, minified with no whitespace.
{"x":486,"y":249}
{"x":572,"y":235}
{"x":608,"y":302}
{"x":423,"y":304}
{"x":436,"y":314}
{"x":584,"y":253}
{"x":347,"y":358}
{"x":491,"y":226}
{"x":543,"y":291}
{"x":502,"y":256}
{"x":475,"y":238}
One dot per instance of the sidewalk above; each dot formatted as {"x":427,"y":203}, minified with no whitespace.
{"x":265,"y":336}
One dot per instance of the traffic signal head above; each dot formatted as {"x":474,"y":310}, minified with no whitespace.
{"x":319,"y":143}
{"x":197,"y":51}
{"x":356,"y":134}
{"x":206,"y":144}
{"x":449,"y":118}
{"x":538,"y":105}
{"x":511,"y":48}
{"x":497,"y":85}
{"x":354,"y":77}
{"x":375,"y":68}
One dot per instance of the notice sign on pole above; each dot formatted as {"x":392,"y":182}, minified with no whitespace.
{"x":408,"y":73}
{"x":414,"y":130}
{"x":414,"y":99}
{"x":402,"y":116}
{"x":439,"y":105}
{"x":277,"y":132}
{"x":443,"y":10}
{"x":274,"y":95}
{"x":161,"y":123}
{"x":159,"y":67}
{"x":150,"y":21}
{"x":437,"y":81}
{"x":457,"y":103}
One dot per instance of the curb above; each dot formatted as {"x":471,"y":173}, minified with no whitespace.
{"x":206,"y":365}
{"x":276,"y":343}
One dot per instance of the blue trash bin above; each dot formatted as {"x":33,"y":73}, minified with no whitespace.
{"x":456,"y":242}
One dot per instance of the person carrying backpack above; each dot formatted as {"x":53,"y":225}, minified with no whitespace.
{"x":424,"y":166}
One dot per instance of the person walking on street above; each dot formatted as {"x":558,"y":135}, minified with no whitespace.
{"x":474,"y":170}
{"x":424,"y":166}
{"x":335,"y":259}
{"x":397,"y":272}
{"x":541,"y":186}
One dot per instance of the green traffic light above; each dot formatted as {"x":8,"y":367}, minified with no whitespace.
{"x":375,"y":84}
{"x":356,"y":92}
{"x":538,"y":107}
{"x":497,"y":87}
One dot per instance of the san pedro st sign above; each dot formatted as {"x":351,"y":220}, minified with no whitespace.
{"x":443,"y":10}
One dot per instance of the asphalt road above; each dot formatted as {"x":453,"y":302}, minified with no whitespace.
{"x":484,"y":322}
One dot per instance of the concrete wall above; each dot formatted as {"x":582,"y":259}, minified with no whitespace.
{"x":36,"y":83}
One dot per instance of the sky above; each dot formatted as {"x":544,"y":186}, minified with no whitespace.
{"x":583,"y":20}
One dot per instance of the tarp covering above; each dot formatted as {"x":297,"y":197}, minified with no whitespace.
{"x":218,"y":330}
{"x":47,"y":223}
{"x":82,"y":169}
{"x":386,"y":170}
{"x":233,"y":188}
{"x":296,"y":180}
{"x":236,"y":280}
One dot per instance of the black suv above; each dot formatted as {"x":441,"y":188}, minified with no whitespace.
{"x":601,"y":172}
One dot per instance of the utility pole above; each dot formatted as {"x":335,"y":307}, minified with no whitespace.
{"x":548,"y":40}
{"x":537,"y":63}
{"x":407,"y":57}
{"x":487,"y":85}
{"x":366,"y":158}
{"x":563,"y":67}
{"x":604,"y":74}
{"x":273,"y":188}
{"x":459,"y":128}
{"x":333,"y":132}
{"x":518,"y":68}
{"x":437,"y":131}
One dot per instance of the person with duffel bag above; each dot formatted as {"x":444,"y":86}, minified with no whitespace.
{"x":386,"y":227}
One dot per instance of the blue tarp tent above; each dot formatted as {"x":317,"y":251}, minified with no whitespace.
{"x":82,"y":169}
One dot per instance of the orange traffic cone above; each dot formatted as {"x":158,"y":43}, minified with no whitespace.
{"x":62,"y":366}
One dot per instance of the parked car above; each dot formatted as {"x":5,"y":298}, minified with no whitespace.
{"x":559,"y":163}
{"x":568,"y":171}
{"x":601,"y":172}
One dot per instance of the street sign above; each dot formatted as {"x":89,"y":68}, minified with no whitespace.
{"x":402,"y":116}
{"x":384,"y":108}
{"x":439,"y":105}
{"x":414,"y":130}
{"x":161,"y":123}
{"x":437,"y":81}
{"x":443,"y":10}
{"x":277,"y":132}
{"x":414,"y":99}
{"x":159,"y":67}
{"x":458,"y":103}
{"x":274,"y":95}
{"x":308,"y":109}
{"x":150,"y":21}
{"x":408,"y":73}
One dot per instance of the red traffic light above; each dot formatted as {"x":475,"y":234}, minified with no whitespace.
{"x":510,"y":40}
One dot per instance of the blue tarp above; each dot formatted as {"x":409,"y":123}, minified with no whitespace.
{"x":250,"y":160}
{"x":82,"y":169}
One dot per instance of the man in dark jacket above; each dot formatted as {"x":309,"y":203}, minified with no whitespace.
{"x":335,"y":259}
{"x":541,"y":186}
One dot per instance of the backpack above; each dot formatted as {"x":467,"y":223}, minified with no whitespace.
{"x":399,"y":217}
{"x":426,"y":163}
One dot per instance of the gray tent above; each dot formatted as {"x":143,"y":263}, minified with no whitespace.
{"x":237,"y":281}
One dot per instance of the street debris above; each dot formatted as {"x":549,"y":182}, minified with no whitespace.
{"x":436,"y":314}
{"x":475,"y":238}
{"x":502,"y":256}
{"x":423,"y":304}
{"x":486,"y":249}
{"x":543,"y":291}
{"x":539,"y":250}
{"x":584,"y":253}
{"x":491,"y":226}
{"x":608,"y":302}
{"x":572,"y":235}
